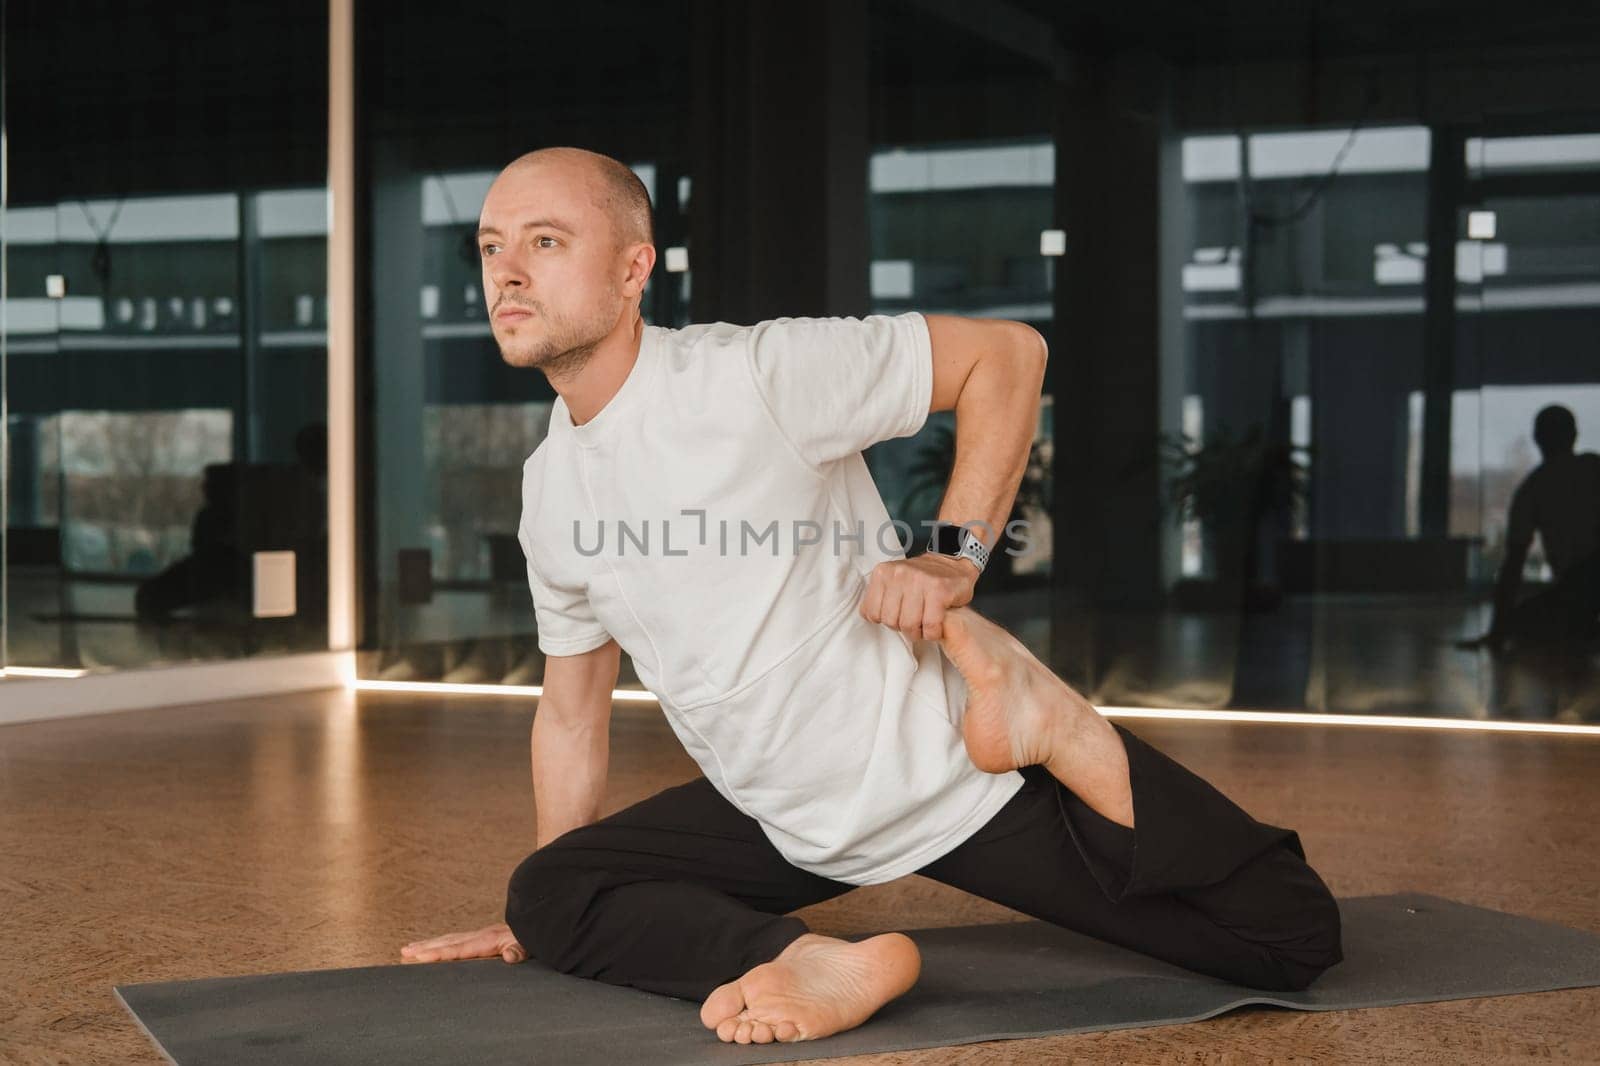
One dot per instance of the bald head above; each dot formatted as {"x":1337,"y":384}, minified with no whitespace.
{"x":615,"y":189}
{"x":566,"y":247}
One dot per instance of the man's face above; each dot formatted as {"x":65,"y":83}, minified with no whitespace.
{"x":552,"y":273}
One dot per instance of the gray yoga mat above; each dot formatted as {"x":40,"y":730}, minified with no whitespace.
{"x":988,"y":982}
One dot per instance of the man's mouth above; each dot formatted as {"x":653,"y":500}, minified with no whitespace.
{"x":512,"y":314}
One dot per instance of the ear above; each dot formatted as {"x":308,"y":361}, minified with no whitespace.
{"x":640,"y":264}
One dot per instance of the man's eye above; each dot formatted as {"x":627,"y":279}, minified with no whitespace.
{"x":489,"y":249}
{"x":540,"y":242}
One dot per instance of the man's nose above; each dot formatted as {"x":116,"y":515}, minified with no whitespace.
{"x":509,"y":275}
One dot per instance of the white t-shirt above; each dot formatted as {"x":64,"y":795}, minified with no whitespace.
{"x":718,"y":519}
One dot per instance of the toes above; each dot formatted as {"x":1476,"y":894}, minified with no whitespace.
{"x":742,"y":1034}
{"x":761,"y":1032}
{"x":726,"y":1028}
{"x":726,"y":1002}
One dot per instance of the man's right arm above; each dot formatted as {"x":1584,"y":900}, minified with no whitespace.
{"x":1519,"y":538}
{"x":571,"y":739}
{"x":571,"y":750}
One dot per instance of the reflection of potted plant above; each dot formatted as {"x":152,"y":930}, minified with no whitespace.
{"x":1235,"y":486}
{"x":929,"y":475}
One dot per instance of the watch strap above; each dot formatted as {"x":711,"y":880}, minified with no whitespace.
{"x":959,"y":542}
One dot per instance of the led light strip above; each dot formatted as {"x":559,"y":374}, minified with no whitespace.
{"x":621,"y":695}
{"x":1471,"y":725}
{"x":1181,"y":713}
{"x":40,"y":671}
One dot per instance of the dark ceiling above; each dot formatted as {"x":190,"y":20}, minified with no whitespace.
{"x":105,"y":98}
{"x":1222,"y":30}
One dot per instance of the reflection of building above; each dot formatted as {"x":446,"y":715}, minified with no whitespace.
{"x":109,"y":451}
{"x":956,"y":229}
{"x":1337,"y":291}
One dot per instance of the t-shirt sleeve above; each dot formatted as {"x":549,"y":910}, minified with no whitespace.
{"x":837,"y":386}
{"x":565,"y":622}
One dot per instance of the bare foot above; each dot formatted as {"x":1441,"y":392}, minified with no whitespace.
{"x":1020,"y":714}
{"x":1014,"y":704}
{"x":818,"y":986}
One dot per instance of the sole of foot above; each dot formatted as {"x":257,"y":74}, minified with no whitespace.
{"x":818,"y":986}
{"x":1016,"y":708}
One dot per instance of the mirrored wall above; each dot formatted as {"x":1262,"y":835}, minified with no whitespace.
{"x":1379,"y":492}
{"x":445,"y":585}
{"x":1323,"y":306}
{"x":1353,"y":428}
{"x":164,"y":229}
{"x":1305,"y":293}
{"x":961,"y":186}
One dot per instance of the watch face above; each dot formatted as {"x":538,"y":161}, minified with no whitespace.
{"x":946,"y":540}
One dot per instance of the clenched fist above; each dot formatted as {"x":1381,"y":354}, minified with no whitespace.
{"x":912,"y":595}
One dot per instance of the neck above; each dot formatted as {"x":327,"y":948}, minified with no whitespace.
{"x":588,"y":389}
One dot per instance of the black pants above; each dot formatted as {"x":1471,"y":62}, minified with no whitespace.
{"x":682,"y":892}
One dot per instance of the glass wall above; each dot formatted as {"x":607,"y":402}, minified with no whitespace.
{"x":961,"y":213}
{"x":1290,"y":448}
{"x":1530,"y":271}
{"x":164,"y":327}
{"x":1306,"y":299}
{"x":949,"y":218}
{"x":1292,"y":476}
{"x":450,"y":424}
{"x":1353,"y":425}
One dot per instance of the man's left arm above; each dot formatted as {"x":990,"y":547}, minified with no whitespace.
{"x":990,"y":373}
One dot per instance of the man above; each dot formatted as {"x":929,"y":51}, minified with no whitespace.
{"x":1560,"y":502}
{"x":805,"y":663}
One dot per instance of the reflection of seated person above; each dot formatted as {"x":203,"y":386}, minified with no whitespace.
{"x":250,"y":507}
{"x":1560,"y":501}
{"x":211,"y":570}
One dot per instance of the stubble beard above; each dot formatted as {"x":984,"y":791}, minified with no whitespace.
{"x":564,"y":350}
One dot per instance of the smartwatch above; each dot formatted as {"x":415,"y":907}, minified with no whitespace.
{"x":960,"y":542}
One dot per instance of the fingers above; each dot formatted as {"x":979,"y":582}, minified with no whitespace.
{"x":922,"y":611}
{"x":430,"y":954}
{"x":932,"y":619}
{"x":881,"y":603}
{"x":872,"y":602}
{"x":479,"y":944}
{"x":909,"y":619}
{"x":893,"y":599}
{"x":426,"y":950}
{"x":911,"y":596}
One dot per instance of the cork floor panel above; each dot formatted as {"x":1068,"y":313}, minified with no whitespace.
{"x":324,"y":830}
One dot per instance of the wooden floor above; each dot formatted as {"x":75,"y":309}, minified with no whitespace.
{"x":324,"y":830}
